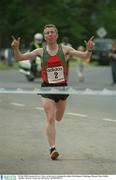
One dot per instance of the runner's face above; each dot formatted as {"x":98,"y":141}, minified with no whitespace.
{"x":50,"y":35}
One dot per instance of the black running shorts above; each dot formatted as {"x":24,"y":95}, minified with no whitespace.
{"x":54,"y":97}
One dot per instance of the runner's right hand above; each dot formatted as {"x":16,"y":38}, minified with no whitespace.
{"x":15,"y":43}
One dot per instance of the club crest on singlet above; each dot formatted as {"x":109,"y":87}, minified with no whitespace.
{"x":55,"y":70}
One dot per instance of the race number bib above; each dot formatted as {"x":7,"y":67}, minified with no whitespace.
{"x":55,"y":74}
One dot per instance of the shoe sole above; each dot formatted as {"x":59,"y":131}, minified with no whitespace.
{"x":54,"y":155}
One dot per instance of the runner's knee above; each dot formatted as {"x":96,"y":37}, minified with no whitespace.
{"x":58,"y":118}
{"x":51,"y":120}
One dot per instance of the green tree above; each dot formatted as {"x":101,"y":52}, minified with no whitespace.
{"x":77,"y":19}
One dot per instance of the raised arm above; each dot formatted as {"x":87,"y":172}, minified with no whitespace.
{"x":86,"y":54}
{"x":22,"y":56}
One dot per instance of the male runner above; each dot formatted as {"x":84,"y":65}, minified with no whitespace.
{"x":54,"y":73}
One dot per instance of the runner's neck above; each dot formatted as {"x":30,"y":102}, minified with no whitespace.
{"x":52,"y":49}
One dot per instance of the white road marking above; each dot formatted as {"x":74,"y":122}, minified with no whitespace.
{"x":39,"y":108}
{"x":75,"y":114}
{"x":69,"y":90}
{"x":18,"y":104}
{"x":68,"y":113}
{"x":107,"y":119}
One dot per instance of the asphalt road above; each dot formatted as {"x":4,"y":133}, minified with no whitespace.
{"x":85,"y":137}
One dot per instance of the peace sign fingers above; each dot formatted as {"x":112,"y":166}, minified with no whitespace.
{"x":91,"y":39}
{"x":18,"y":39}
{"x":13,"y":37}
{"x":16,"y":42}
{"x":90,"y":43}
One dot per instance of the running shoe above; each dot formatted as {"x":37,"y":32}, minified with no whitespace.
{"x":54,"y":153}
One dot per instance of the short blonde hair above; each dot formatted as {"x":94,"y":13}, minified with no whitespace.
{"x":51,"y":26}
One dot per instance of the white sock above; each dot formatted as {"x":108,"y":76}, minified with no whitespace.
{"x":53,"y":146}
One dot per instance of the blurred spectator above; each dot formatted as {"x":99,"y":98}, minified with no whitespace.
{"x":37,"y":43}
{"x":6,"y":56}
{"x":2,"y":58}
{"x":9,"y":56}
{"x":65,"y":42}
{"x":80,"y":67}
{"x":112,"y":56}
